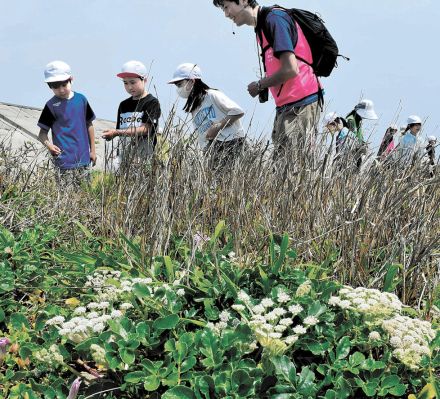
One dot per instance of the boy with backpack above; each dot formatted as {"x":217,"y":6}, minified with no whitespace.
{"x":291,"y":68}
{"x":69,"y":116}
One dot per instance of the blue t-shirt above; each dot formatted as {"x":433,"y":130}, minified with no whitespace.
{"x":68,"y":119}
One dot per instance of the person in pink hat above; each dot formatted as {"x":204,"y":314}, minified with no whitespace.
{"x":137,"y":118}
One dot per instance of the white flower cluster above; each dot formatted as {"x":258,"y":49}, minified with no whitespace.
{"x":272,"y":320}
{"x":369,"y":302}
{"x":51,"y":357}
{"x":98,"y":355}
{"x":87,"y":321}
{"x":410,"y":339}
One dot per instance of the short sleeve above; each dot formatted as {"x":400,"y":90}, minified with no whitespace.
{"x":152,"y":112}
{"x":225,"y":104}
{"x":283,"y":31}
{"x":47,"y":119}
{"x":90,"y":115}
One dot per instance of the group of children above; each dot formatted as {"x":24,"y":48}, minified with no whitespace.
{"x":403,"y":146}
{"x":216,"y":119}
{"x":69,"y":116}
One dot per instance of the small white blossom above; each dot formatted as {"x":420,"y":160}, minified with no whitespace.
{"x":311,"y":321}
{"x":116,"y":314}
{"x":80,"y":310}
{"x":334,"y":301}
{"x":242,"y":296}
{"x":180,"y":292}
{"x":374,"y":336}
{"x":286,"y":322}
{"x":225,"y":316}
{"x":258,"y":309}
{"x":125,"y":306}
{"x":283,"y":297}
{"x":238,"y":308}
{"x":267,"y":303}
{"x":275,"y":335}
{"x":279,"y":311}
{"x":295,"y":309}
{"x":55,"y":320}
{"x":299,"y":330}
{"x":291,"y":339}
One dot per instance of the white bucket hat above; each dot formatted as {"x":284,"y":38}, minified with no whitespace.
{"x":412,"y":119}
{"x":57,"y":71}
{"x":133,"y":69}
{"x":365,"y":109}
{"x":186,"y":71}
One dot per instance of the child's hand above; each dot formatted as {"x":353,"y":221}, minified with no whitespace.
{"x":54,"y":150}
{"x":213,"y":131}
{"x":93,"y":157}
{"x":109,"y":134}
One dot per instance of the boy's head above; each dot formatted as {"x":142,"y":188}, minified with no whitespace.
{"x":221,"y":3}
{"x":58,"y":76}
{"x":134,"y":75}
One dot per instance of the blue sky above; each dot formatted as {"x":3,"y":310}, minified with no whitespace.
{"x":391,"y":43}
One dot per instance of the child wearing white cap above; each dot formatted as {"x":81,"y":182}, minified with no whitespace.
{"x":363,"y":110}
{"x":216,"y":117}
{"x":411,"y":145}
{"x":138,"y":116}
{"x":69,"y":116}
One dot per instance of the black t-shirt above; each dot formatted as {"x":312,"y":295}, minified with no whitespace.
{"x":134,"y":113}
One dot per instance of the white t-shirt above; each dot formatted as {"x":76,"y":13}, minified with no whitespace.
{"x":213,"y":109}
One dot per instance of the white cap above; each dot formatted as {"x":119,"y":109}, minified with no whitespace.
{"x":57,"y":71}
{"x":365,"y":109}
{"x":186,"y":71}
{"x":393,"y":126}
{"x":432,"y":138}
{"x":329,"y":118}
{"x":133,"y":69}
{"x":413,"y":119}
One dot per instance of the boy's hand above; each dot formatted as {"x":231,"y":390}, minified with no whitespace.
{"x":213,"y":131}
{"x":109,"y":134}
{"x":53,"y":149}
{"x":93,"y":157}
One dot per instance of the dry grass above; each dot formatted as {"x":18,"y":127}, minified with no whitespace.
{"x":358,"y":222}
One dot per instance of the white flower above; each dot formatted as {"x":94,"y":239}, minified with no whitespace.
{"x":299,"y":330}
{"x":279,"y":311}
{"x":253,"y":346}
{"x":345,"y":304}
{"x":267,"y":303}
{"x":280,"y":328}
{"x":334,"y":301}
{"x":286,"y":322}
{"x":93,"y":305}
{"x":221,"y":325}
{"x":116,"y":314}
{"x":311,"y":321}
{"x":396,"y":342}
{"x":125,"y":306}
{"x":258,"y":309}
{"x":98,"y":327}
{"x":242,"y":296}
{"x":283,"y":297}
{"x":92,"y":315}
{"x":55,"y":320}
{"x":225,"y":316}
{"x":374,"y":336}
{"x":238,"y":308}
{"x":271,"y":316}
{"x":180,"y":292}
{"x":295,"y":309}
{"x":275,"y":335}
{"x":291,"y":339}
{"x":80,"y":310}
{"x":103,"y":305}
{"x":176,"y":283}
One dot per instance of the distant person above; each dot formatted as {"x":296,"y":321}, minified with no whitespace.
{"x":363,"y":110}
{"x":137,"y":119}
{"x":292,"y":82}
{"x":216,"y":117}
{"x":430,"y":154}
{"x":387,"y":141}
{"x":410,"y":147}
{"x":69,"y":116}
{"x":345,"y":139}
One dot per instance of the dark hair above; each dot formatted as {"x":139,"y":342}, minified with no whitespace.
{"x":340,"y":120}
{"x":196,"y":96}
{"x":56,"y":85}
{"x":220,"y":3}
{"x":357,"y":117}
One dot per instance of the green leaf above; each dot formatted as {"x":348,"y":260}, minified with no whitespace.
{"x":356,"y":359}
{"x":398,"y":390}
{"x":390,"y":283}
{"x":390,"y":381}
{"x":217,"y":231}
{"x":343,"y":348}
{"x":127,"y":355}
{"x":188,"y":364}
{"x":166,"y":323}
{"x":179,"y":392}
{"x":241,"y":382}
{"x":134,"y":377}
{"x":151,"y":383}
{"x":2,"y":315}
{"x":19,"y":321}
{"x":169,"y":268}
{"x":285,"y":368}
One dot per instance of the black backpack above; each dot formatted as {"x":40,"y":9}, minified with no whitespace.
{"x":323,"y":46}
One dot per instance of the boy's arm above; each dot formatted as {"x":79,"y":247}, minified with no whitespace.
{"x":142,"y":130}
{"x":43,"y":136}
{"x":91,"y":130}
